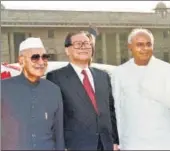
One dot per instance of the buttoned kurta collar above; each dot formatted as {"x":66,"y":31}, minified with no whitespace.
{"x":25,"y":81}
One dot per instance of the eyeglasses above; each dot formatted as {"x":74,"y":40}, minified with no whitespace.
{"x":36,"y":57}
{"x":79,"y":44}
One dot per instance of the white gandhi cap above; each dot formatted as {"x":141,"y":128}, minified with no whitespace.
{"x":31,"y":42}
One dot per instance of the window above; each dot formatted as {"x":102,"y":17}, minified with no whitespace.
{"x":99,"y":37}
{"x":50,"y":33}
{"x":29,"y":35}
{"x":123,"y":37}
{"x":53,"y":57}
{"x":99,"y":60}
{"x":18,"y":38}
{"x":165,"y":34}
{"x":164,"y":14}
{"x":166,"y":56}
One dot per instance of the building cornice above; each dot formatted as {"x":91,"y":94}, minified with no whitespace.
{"x":40,"y":18}
{"x":55,"y":24}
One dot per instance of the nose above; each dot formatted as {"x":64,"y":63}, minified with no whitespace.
{"x":145,"y":48}
{"x":83,"y":46}
{"x":40,"y":61}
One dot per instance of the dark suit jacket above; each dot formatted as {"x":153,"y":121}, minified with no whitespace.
{"x":32,"y":115}
{"x":82,"y":126}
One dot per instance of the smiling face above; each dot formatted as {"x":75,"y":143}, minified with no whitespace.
{"x":33,"y":65}
{"x":142,"y":48}
{"x":80,"y":50}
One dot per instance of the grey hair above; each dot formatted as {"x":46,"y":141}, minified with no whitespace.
{"x":21,"y":52}
{"x":136,"y":31}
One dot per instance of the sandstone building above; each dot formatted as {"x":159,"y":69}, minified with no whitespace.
{"x":53,"y":25}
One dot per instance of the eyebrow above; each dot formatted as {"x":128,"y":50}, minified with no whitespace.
{"x":81,"y":41}
{"x":144,"y":42}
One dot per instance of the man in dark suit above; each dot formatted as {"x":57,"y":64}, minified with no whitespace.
{"x":89,"y":114}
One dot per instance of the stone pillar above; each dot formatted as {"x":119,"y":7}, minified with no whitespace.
{"x":104,"y":48}
{"x":11,"y":47}
{"x":129,"y":54}
{"x":118,"y":51}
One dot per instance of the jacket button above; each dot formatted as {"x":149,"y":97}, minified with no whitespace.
{"x":33,"y":135}
{"x":97,"y":133}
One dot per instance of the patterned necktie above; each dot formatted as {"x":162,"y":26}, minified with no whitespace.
{"x":89,"y":90}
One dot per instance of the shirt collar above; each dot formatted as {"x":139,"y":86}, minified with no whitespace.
{"x":77,"y":69}
{"x":25,"y":81}
{"x":133,"y":62}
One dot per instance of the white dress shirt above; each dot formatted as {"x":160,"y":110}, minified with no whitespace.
{"x":78,"y":70}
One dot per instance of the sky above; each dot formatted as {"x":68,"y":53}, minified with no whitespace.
{"x":133,"y":6}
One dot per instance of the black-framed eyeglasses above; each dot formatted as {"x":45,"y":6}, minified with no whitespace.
{"x":80,"y":44}
{"x":36,"y":57}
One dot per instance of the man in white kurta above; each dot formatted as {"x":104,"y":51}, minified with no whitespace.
{"x":142,"y":101}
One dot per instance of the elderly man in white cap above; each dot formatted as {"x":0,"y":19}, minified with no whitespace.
{"x":32,"y":110}
{"x":141,"y":88}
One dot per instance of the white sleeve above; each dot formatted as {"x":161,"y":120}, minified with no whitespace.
{"x":116,"y":95}
{"x":115,"y":86}
{"x":166,"y":94}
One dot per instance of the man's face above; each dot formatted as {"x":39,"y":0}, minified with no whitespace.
{"x":141,"y":47}
{"x":34,"y":62}
{"x":81,"y":48}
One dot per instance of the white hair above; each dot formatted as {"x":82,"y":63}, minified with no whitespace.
{"x":136,"y":31}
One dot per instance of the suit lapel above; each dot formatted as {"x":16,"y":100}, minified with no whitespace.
{"x":77,"y":87}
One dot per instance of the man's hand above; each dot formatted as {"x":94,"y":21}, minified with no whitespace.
{"x":115,"y":147}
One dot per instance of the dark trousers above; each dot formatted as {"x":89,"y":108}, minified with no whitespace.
{"x":100,"y":145}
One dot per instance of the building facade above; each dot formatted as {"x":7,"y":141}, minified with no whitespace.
{"x":111,"y":45}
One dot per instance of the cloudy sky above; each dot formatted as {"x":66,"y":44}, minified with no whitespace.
{"x":137,"y":6}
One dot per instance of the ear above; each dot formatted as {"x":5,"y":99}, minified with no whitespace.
{"x":93,"y":40}
{"x":67,"y":51}
{"x":129,"y":47}
{"x":21,"y":60}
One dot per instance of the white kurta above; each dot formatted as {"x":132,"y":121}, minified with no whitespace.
{"x":142,"y":102}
